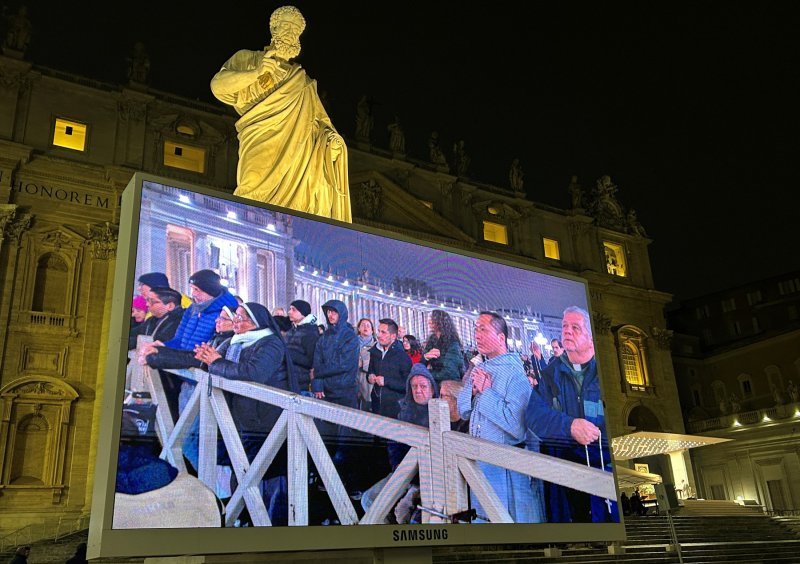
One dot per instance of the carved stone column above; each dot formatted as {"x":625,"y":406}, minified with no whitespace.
{"x":10,"y":238}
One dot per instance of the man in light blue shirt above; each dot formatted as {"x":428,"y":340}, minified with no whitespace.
{"x":494,"y":398}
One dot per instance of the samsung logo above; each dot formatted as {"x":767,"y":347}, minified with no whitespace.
{"x":421,"y":535}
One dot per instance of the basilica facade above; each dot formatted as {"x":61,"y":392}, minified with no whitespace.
{"x":69,"y":145}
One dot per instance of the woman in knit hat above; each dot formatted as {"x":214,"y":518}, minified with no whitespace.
{"x":138,"y":311}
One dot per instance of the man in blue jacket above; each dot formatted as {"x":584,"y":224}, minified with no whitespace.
{"x":197,"y":326}
{"x":566,"y":413}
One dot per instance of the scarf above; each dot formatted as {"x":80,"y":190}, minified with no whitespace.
{"x":244,"y":340}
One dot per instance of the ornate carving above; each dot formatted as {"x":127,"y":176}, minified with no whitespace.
{"x":578,"y":228}
{"x":605,"y":208}
{"x":40,"y":389}
{"x":7,"y":212}
{"x":596,"y":295}
{"x":56,"y":238}
{"x":15,"y":229}
{"x":11,"y":79}
{"x":602,"y":322}
{"x":103,"y":240}
{"x":662,"y":337}
{"x":131,"y":110}
{"x":370,"y":199}
{"x":446,"y":188}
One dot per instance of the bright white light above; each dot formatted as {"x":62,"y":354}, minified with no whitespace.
{"x":301,"y":267}
{"x":224,"y":282}
{"x":270,"y":227}
{"x":346,"y":283}
{"x":182,"y":198}
{"x":330,"y":276}
{"x":540,"y":339}
{"x":315,"y":272}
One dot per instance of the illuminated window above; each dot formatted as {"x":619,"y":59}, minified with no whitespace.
{"x":186,"y":157}
{"x":495,"y":232}
{"x":185,"y":130}
{"x":551,"y":249}
{"x":492,"y":210}
{"x":615,"y":259}
{"x":69,"y":134}
{"x":633,"y":357}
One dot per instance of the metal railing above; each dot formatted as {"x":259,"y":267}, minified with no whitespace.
{"x":51,"y":530}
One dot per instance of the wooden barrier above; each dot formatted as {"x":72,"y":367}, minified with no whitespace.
{"x":445,"y":460}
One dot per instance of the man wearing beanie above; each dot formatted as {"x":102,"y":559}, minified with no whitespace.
{"x":301,"y":340}
{"x":197,"y":325}
{"x":150,"y":280}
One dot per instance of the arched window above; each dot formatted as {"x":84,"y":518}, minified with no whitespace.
{"x":49,"y":290}
{"x":632,"y":349}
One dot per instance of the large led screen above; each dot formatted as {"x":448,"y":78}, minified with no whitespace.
{"x":271,"y":372}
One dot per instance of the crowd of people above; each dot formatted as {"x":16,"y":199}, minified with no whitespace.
{"x":547,"y":405}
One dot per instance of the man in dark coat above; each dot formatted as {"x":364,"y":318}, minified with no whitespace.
{"x":566,"y":413}
{"x":389,"y":366}
{"x":256,"y":353}
{"x":335,"y":370}
{"x":301,"y":341}
{"x":166,"y":313}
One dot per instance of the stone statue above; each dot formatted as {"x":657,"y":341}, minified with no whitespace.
{"x":437,"y":156}
{"x":280,"y":108}
{"x":397,"y":138}
{"x":139,"y":64}
{"x":575,"y":193}
{"x":777,"y":395}
{"x":634,"y":226}
{"x":515,"y":176}
{"x":364,"y":119}
{"x":460,"y":158}
{"x":18,"y":30}
{"x":793,"y":392}
{"x":605,"y":208}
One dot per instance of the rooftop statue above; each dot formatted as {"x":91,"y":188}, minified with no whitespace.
{"x":290,"y":154}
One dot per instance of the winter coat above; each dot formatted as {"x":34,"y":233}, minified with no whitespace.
{"x":162,"y":329}
{"x":199,"y":322}
{"x":394,"y":367}
{"x":336,"y":358}
{"x":411,"y":412}
{"x":450,"y":365}
{"x":301,"y":340}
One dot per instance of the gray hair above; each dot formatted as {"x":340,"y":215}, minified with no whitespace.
{"x":587,"y":321}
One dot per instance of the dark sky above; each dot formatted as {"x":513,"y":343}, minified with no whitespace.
{"x":690,"y":107}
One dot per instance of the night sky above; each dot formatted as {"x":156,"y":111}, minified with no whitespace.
{"x":691,"y":108}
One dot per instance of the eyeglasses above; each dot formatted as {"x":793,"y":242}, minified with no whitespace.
{"x":238,"y":317}
{"x":220,"y":318}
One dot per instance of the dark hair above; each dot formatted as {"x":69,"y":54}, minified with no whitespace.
{"x":497,"y":322}
{"x":390,"y":324}
{"x":413,"y":343}
{"x":167,"y":295}
{"x":560,"y":344}
{"x":443,"y":323}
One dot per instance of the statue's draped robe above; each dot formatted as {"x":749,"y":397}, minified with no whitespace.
{"x":287,"y":144}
